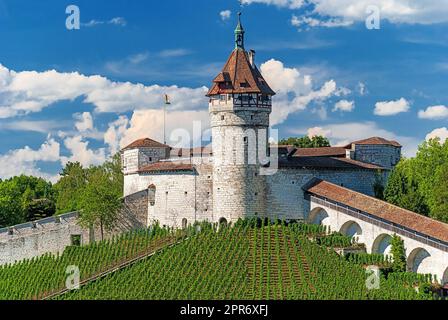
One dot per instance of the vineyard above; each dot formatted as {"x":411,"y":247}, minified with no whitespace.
{"x":250,"y":261}
{"x":253,"y":259}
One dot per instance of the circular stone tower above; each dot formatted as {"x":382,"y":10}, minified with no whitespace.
{"x":240,"y":105}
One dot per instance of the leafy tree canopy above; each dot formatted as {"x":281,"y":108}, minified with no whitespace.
{"x":306,"y":142}
{"x":420,"y":184}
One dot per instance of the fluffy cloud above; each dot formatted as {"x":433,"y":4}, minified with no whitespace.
{"x":310,"y":22}
{"x":434,"y":113}
{"x":149,"y":123}
{"x":84,"y":121}
{"x":294,"y":90}
{"x":344,"y":106}
{"x":441,"y":133}
{"x":389,"y":108}
{"x":80,"y":152}
{"x":349,"y":11}
{"x":30,"y":91}
{"x":24,"y":161}
{"x":225,"y":15}
{"x":343,"y":133}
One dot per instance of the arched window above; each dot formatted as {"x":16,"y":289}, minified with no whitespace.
{"x":184,"y":223}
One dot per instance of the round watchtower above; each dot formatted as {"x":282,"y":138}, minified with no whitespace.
{"x":240,"y":105}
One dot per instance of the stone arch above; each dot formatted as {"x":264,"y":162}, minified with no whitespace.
{"x":416,"y":258}
{"x":222,"y":222}
{"x":318,"y":216}
{"x":184,"y":223}
{"x":351,"y":229}
{"x":445,"y":277}
{"x":382,"y":244}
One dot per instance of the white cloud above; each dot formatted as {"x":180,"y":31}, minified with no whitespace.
{"x":24,"y":161}
{"x":149,"y":124}
{"x":225,"y":15}
{"x":394,"y":11}
{"x":341,"y":134}
{"x":362,"y":89}
{"x":441,"y":133}
{"x":292,"y":4}
{"x":30,"y":91}
{"x":344,"y":106}
{"x":389,"y":108}
{"x":33,"y":126}
{"x":84,"y":121}
{"x":118,"y":21}
{"x":173,"y":53}
{"x":294,"y":90}
{"x":434,"y":113}
{"x":318,"y":131}
{"x":81,"y":153}
{"x":138,"y":58}
{"x":310,"y":22}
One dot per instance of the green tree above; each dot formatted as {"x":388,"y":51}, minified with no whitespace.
{"x":100,"y":202}
{"x":440,"y":209}
{"x":19,"y":196}
{"x":398,"y":252}
{"x":306,"y":142}
{"x":378,"y":186}
{"x":69,"y":188}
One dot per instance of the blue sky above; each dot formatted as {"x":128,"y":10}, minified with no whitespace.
{"x":80,"y":95}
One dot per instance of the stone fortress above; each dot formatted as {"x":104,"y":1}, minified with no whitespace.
{"x":241,"y":174}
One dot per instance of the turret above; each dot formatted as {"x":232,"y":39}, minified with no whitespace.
{"x":240,"y":105}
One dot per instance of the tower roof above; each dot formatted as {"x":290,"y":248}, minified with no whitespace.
{"x":145,"y":143}
{"x":240,"y":74}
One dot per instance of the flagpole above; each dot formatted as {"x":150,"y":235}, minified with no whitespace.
{"x":167,"y":102}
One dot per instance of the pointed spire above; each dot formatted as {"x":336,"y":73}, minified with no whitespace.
{"x":239,"y":34}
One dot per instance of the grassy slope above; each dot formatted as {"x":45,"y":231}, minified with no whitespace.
{"x":272,"y":262}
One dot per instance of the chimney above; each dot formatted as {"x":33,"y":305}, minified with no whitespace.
{"x":252,"y":58}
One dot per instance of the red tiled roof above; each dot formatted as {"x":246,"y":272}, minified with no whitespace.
{"x":380,"y":209}
{"x":325,"y":163}
{"x":375,"y":141}
{"x":166,"y":166}
{"x":146,"y":143}
{"x":187,"y":152}
{"x":320,"y":152}
{"x":283,"y":150}
{"x":238,"y":76}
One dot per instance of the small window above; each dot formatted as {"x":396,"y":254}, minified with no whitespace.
{"x":256,"y":193}
{"x":222,"y":118}
{"x":245,"y":139}
{"x":75,"y":240}
{"x":251,"y":117}
{"x":150,"y":159}
{"x":166,"y":192}
{"x":186,"y":193}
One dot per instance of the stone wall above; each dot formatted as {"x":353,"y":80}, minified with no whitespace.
{"x":285,"y":196}
{"x":50,"y":235}
{"x":177,"y":195}
{"x":54,"y":234}
{"x":382,"y":155}
{"x":134,"y":159}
